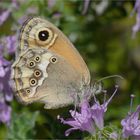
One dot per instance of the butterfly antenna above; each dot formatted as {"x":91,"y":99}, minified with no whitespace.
{"x":111,"y":76}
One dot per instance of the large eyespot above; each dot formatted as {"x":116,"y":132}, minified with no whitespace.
{"x":33,"y":82}
{"x":31,"y":64}
{"x":37,"y":73}
{"x":53,"y":59}
{"x":37,"y":58}
{"x":44,"y":36}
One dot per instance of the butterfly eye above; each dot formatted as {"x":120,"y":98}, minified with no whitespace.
{"x":31,"y":64}
{"x":37,"y":73}
{"x":37,"y":58}
{"x":33,"y":82}
{"x":53,"y":59}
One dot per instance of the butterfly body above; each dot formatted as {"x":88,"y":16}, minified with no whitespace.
{"x":48,"y":66}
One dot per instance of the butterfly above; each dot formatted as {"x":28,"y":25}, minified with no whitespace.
{"x":47,"y":66}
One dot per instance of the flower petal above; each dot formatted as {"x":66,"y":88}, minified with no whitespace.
{"x":4,"y":16}
{"x":67,"y":132}
{"x":98,"y":115}
{"x":2,"y":72}
{"x":5,"y":113}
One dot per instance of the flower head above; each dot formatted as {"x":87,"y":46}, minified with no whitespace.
{"x":131,"y":124}
{"x":7,"y":47}
{"x":80,"y":120}
{"x":136,"y":27}
{"x":3,"y":66}
{"x":4,"y":78}
{"x":11,"y":44}
{"x":90,"y":117}
{"x":5,"y":85}
{"x":5,"y":113}
{"x":4,"y":15}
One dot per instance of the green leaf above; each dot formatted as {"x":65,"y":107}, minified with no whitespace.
{"x":22,"y":125}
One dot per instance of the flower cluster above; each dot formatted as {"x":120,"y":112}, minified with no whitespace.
{"x":6,"y":13}
{"x":7,"y":48}
{"x":131,"y":123}
{"x":136,"y":27}
{"x":90,"y":118}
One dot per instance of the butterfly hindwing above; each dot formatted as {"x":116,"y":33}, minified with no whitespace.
{"x":29,"y":72}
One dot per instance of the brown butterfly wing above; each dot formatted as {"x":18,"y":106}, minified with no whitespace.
{"x":29,"y":72}
{"x":57,"y":43}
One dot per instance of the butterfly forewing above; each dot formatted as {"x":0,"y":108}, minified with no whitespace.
{"x":56,"y":41}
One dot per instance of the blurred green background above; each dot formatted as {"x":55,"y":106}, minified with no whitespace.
{"x":103,"y":36}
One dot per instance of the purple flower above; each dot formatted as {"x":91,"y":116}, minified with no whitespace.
{"x":86,"y":6}
{"x":51,"y":3}
{"x":5,"y":85}
{"x":137,"y":6}
{"x":5,"y":113}
{"x":131,"y":124}
{"x":81,"y":120}
{"x":5,"y":78}
{"x":11,"y":44}
{"x":4,"y":15}
{"x":3,"y":66}
{"x":7,"y":47}
{"x":136,"y":137}
{"x":90,"y":117}
{"x":113,"y":136}
{"x":136,"y":27}
{"x":5,"y":90}
{"x":98,"y":114}
{"x":98,"y":111}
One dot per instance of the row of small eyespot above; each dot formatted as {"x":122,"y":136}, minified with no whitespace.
{"x":33,"y":81}
{"x":37,"y":59}
{"x":37,"y":72}
{"x":31,"y":63}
